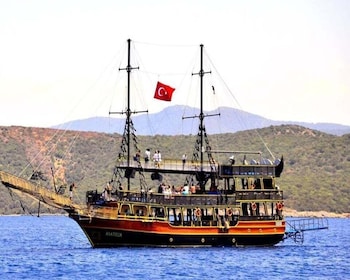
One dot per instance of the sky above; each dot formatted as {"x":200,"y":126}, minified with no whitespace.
{"x":283,"y":60}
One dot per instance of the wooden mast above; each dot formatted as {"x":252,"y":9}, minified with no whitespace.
{"x":201,"y":114}
{"x":128,"y":112}
{"x":201,"y":117}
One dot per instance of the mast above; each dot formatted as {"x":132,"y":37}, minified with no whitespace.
{"x":202,"y":133}
{"x":128,"y":112}
{"x":201,"y":115}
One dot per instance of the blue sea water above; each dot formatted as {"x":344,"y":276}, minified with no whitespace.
{"x":54,"y":247}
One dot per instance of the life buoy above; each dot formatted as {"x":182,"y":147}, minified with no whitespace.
{"x":279,"y":206}
{"x":253,"y":206}
{"x":198,"y":212}
{"x":229,"y":211}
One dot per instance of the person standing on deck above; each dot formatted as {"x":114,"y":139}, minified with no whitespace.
{"x":159,"y":157}
{"x":156,"y":159}
{"x":184,"y":158}
{"x":108,"y":191}
{"x":137,"y":156}
{"x":71,"y":188}
{"x":147,"y":156}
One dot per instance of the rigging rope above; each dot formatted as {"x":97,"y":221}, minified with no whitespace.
{"x":164,"y":45}
{"x":239,"y":106}
{"x":30,"y":163}
{"x":20,"y":201}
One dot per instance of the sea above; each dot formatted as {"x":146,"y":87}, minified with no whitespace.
{"x":54,"y":247}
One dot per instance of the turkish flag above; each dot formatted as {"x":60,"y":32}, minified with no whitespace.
{"x":163,"y":92}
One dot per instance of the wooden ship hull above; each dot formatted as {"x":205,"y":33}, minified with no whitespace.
{"x":147,"y":232}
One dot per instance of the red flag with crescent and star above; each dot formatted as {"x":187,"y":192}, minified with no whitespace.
{"x":163,"y":92}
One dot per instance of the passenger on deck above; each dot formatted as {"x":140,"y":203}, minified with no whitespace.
{"x":147,"y":155}
{"x":150,"y":191}
{"x":233,"y":186}
{"x":167,"y":192}
{"x":161,"y":188}
{"x":185,"y":190}
{"x":193,"y":189}
{"x":245,"y":209}
{"x":245,"y":162}
{"x":137,"y":156}
{"x":244,"y":183}
{"x":180,"y":217}
{"x":177,"y":190}
{"x":184,"y":158}
{"x":213,"y":190}
{"x":71,"y":189}
{"x":257,"y":184}
{"x":232,"y":160}
{"x":120,"y":157}
{"x":156,"y":158}
{"x":107,"y":191}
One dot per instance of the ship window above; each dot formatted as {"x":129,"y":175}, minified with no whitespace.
{"x":140,"y":211}
{"x":175,"y":216}
{"x":125,"y":209}
{"x":268,"y":183}
{"x":242,"y":184}
{"x":157,"y":212}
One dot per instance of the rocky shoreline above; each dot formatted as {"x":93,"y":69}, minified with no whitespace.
{"x":303,"y":214}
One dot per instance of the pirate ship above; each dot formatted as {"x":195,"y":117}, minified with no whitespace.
{"x":230,"y":203}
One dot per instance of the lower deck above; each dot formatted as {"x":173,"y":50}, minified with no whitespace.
{"x":191,"y":210}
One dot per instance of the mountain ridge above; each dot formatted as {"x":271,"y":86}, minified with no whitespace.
{"x":170,"y":121}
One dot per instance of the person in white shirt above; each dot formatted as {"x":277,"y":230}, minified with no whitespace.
{"x":156,"y":159}
{"x":184,"y":158}
{"x":147,"y":156}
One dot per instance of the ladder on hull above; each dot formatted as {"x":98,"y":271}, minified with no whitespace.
{"x":296,"y":228}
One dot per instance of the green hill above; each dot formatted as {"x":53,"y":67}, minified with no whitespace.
{"x":315,"y":177}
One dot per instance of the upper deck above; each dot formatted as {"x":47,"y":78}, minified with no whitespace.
{"x":193,"y":167}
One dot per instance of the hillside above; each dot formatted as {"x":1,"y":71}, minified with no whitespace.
{"x":315,"y":176}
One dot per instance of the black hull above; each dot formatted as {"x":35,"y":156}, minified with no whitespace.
{"x":101,"y":238}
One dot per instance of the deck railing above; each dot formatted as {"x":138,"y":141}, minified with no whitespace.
{"x":170,"y":164}
{"x":195,"y":199}
{"x":224,"y":170}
